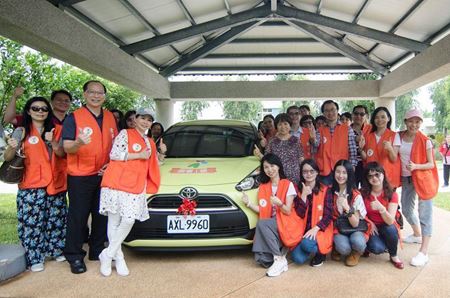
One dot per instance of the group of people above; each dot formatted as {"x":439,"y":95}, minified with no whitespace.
{"x":106,"y":172}
{"x":332,"y":187}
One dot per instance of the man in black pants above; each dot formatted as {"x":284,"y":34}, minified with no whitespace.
{"x":88,"y":134}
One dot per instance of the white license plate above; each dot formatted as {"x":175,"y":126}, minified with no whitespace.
{"x":178,"y":224}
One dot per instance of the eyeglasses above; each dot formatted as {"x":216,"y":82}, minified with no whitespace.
{"x":37,"y":109}
{"x":99,"y":93}
{"x":362,"y":114}
{"x":376,"y":175}
{"x":310,"y":172}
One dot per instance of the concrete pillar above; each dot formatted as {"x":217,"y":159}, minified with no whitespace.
{"x":164,"y":112}
{"x":389,"y":103}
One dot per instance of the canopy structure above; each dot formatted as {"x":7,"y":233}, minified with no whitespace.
{"x":141,"y":43}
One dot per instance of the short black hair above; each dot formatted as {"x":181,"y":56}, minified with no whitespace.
{"x":304,"y":107}
{"x":360,"y":107}
{"x":283,"y":117}
{"x":322,"y":108}
{"x":86,"y":85}
{"x":291,"y":108}
{"x":347,"y":115}
{"x":306,"y":118}
{"x":62,"y":91}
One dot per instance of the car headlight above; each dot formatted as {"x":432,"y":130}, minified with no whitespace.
{"x":251,"y":181}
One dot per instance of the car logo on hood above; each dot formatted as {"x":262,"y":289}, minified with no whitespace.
{"x":189,"y":193}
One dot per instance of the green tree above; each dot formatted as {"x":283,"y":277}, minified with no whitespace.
{"x":347,"y":105}
{"x":440,"y":95}
{"x":242,"y":110}
{"x":285,"y":104}
{"x":402,"y":105}
{"x":191,"y":110}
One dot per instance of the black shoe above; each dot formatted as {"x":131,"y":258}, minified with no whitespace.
{"x":317,"y":260}
{"x":78,"y":267}
{"x":93,"y":258}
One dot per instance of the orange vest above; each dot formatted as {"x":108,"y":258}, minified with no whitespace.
{"x":133,"y":175}
{"x":376,"y":152}
{"x":40,"y":171}
{"x":90,"y":158}
{"x":426,"y":182}
{"x":332,"y":148}
{"x":289,"y":226}
{"x":305,"y":144}
{"x":336,"y":214}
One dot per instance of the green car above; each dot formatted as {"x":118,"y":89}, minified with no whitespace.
{"x":208,"y":163}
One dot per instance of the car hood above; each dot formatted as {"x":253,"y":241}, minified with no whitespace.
{"x":207,"y":171}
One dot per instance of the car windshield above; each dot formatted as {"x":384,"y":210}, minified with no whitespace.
{"x":210,"y":141}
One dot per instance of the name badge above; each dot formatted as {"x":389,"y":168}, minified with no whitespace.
{"x":33,"y":140}
{"x":136,"y":147}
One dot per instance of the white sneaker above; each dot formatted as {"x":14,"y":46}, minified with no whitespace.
{"x":37,"y":267}
{"x":121,"y":267}
{"x":105,"y":263}
{"x":60,"y":258}
{"x":279,"y":266}
{"x":419,"y":260}
{"x":413,"y":239}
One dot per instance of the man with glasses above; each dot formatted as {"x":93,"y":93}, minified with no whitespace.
{"x":337,"y":141}
{"x":88,"y":135}
{"x":360,"y":127}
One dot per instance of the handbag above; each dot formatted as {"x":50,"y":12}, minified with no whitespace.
{"x":345,"y":228}
{"x":12,"y":171}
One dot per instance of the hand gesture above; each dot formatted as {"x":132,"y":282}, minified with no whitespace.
{"x":376,"y":205}
{"x":245,"y":198}
{"x":276,"y":201}
{"x":362,"y":142}
{"x":257,"y":152}
{"x":312,"y":233}
{"x":411,"y":166}
{"x":13,"y":143}
{"x":48,"y":136}
{"x":312,"y":132}
{"x":263,"y":140}
{"x":388,"y":146}
{"x":82,"y":138}
{"x":162,"y":147}
{"x":145,"y":154}
{"x":306,"y":191}
{"x":18,"y":91}
{"x":342,"y":201}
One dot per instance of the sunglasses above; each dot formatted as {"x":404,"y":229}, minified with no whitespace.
{"x":376,"y":175}
{"x":37,"y":109}
{"x":359,"y":114}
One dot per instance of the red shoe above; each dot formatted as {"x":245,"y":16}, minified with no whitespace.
{"x":398,"y":265}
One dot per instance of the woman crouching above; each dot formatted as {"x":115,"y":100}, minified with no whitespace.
{"x":277,"y":229}
{"x":381,"y":205}
{"x":349,"y":209}
{"x":315,"y":207}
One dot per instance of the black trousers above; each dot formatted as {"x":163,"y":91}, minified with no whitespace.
{"x":446,"y":174}
{"x":84,"y":198}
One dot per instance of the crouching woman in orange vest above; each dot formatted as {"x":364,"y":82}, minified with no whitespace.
{"x":41,"y":198}
{"x":132,"y":173}
{"x":315,"y":208}
{"x":278,"y":227}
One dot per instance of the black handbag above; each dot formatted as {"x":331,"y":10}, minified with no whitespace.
{"x":345,"y":228}
{"x":12,"y":171}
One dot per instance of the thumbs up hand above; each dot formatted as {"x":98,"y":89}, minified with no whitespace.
{"x":162,"y":147}
{"x":82,"y":138}
{"x":48,"y":136}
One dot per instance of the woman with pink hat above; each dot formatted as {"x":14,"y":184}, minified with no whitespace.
{"x":419,"y":176}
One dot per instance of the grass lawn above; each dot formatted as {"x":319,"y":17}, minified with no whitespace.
{"x":8,"y":215}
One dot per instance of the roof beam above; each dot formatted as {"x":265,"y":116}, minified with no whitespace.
{"x":339,"y":46}
{"x":65,"y":2}
{"x":274,"y":40}
{"x":350,"y":28}
{"x":278,"y":69}
{"x":188,"y":15}
{"x":406,"y":16}
{"x":319,"y":6}
{"x":143,"y":20}
{"x":274,"y":55}
{"x":207,"y":48}
{"x":227,"y":6}
{"x":358,"y":15}
{"x":189,"y":32}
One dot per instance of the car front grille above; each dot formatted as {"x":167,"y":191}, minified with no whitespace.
{"x":205,"y":202}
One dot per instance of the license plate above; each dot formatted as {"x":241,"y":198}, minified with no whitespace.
{"x":178,"y":224}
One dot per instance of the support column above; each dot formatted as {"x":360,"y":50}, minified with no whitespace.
{"x":164,"y":112}
{"x":389,"y":103}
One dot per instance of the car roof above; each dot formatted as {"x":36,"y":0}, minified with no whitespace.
{"x":217,"y":122}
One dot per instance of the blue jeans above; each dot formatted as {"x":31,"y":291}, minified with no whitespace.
{"x":345,"y":244}
{"x":387,"y":238}
{"x":303,"y":250}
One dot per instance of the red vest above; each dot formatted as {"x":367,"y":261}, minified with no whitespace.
{"x":426,"y":182}
{"x":332,"y":148}
{"x":376,"y":152}
{"x":290,"y":227}
{"x":40,"y":171}
{"x":305,"y":144}
{"x":133,"y":175}
{"x":90,"y":158}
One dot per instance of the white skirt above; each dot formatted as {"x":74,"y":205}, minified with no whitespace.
{"x":130,"y":206}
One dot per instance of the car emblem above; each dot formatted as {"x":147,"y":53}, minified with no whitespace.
{"x":189,"y":193}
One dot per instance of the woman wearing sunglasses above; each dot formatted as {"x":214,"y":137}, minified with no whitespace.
{"x":41,"y":198}
{"x":381,"y":205}
{"x":315,"y":208}
{"x":348,"y":205}
{"x":377,"y":145}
